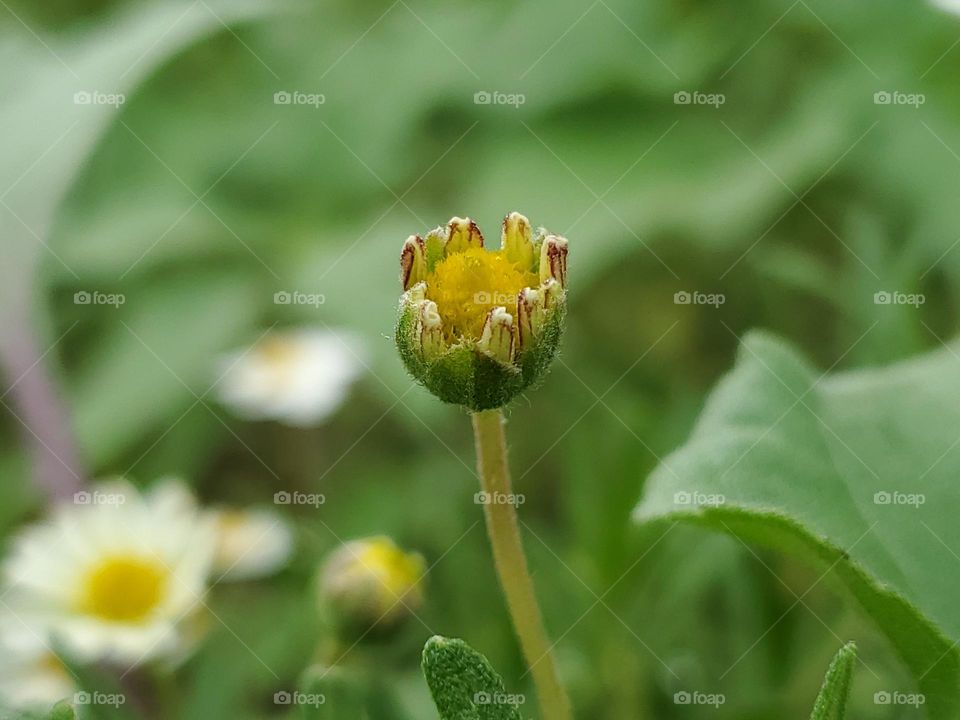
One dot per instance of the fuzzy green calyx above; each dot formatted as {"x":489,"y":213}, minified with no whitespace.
{"x":477,"y":327}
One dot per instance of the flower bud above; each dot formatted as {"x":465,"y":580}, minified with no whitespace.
{"x":371,"y":585}
{"x":477,"y":327}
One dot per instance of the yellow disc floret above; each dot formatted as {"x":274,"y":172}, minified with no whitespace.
{"x":124,"y":588}
{"x":467,"y":285}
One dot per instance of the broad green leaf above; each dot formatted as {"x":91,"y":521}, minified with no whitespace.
{"x":854,"y":471}
{"x":832,"y":701}
{"x":463,"y":683}
{"x":49,"y":133}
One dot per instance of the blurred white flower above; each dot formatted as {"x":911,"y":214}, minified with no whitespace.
{"x":948,"y":5}
{"x":31,"y":676}
{"x":250,"y":543}
{"x":296,"y":376}
{"x":113,"y":575}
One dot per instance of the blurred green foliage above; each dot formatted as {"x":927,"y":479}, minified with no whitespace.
{"x":198,"y":199}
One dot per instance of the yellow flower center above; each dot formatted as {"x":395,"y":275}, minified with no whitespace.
{"x":278,"y":350}
{"x":467,"y":285}
{"x":124,"y":588}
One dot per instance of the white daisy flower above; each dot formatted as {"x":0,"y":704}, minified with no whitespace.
{"x":297,"y":376}
{"x":112,"y":575}
{"x":31,"y":675}
{"x":250,"y":543}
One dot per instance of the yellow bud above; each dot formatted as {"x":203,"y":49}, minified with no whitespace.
{"x":371,"y":585}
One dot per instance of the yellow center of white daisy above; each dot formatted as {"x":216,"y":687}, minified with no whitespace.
{"x":278,"y":350}
{"x":232,"y":520}
{"x":124,"y":588}
{"x":467,"y":285}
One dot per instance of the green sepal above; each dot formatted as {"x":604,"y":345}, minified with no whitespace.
{"x":465,"y":376}
{"x":463,"y":684}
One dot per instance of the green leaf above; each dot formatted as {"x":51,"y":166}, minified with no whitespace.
{"x":42,"y":116}
{"x":463,"y":683}
{"x":854,"y":471}
{"x":832,"y":701}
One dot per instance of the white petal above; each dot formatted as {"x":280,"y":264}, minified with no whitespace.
{"x":295,"y":376}
{"x":252,"y":543}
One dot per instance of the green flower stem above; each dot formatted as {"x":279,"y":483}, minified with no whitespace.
{"x":511,"y":564}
